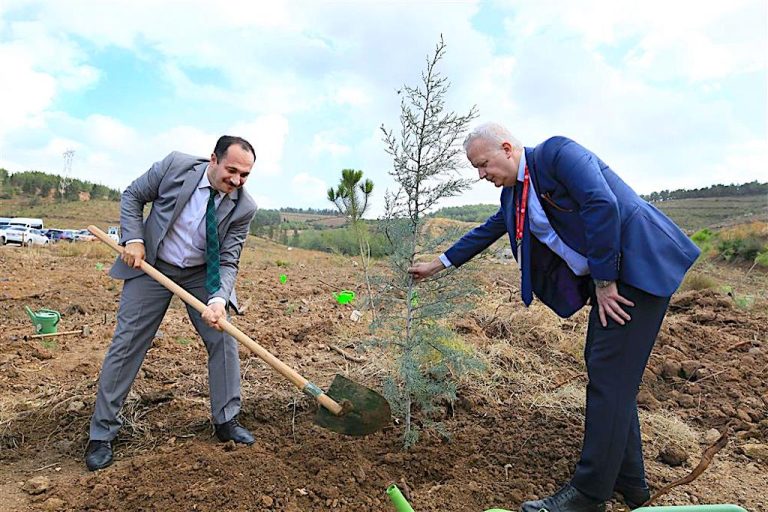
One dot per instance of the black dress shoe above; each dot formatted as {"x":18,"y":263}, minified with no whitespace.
{"x":234,"y":431}
{"x":567,"y":499}
{"x":98,"y":455}
{"x":634,"y":497}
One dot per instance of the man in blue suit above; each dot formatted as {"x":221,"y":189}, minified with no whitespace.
{"x":580,"y":234}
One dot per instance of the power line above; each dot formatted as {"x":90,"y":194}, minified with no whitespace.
{"x":69,"y":156}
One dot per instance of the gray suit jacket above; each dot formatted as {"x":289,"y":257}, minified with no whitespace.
{"x":168,"y":185}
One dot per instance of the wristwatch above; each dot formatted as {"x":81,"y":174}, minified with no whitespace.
{"x":600,"y":283}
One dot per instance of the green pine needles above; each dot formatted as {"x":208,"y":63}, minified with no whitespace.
{"x":414,"y":319}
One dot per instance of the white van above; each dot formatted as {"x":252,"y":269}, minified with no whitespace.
{"x":27,"y":222}
{"x":114,"y":234}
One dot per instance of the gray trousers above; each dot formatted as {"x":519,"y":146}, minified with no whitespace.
{"x":143,"y":304}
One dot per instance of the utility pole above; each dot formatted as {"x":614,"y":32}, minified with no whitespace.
{"x":69,"y":155}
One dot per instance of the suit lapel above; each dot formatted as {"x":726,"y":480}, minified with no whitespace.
{"x":187,"y":188}
{"x":226,"y":206}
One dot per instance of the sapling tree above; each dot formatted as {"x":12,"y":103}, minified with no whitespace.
{"x":351,"y":199}
{"x":427,"y":154}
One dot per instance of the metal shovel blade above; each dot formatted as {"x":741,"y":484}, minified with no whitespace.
{"x":364,"y":410}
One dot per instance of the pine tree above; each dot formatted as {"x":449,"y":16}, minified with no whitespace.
{"x":426,"y":155}
{"x":351,"y":198}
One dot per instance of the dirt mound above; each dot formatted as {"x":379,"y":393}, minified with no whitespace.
{"x":710,"y":364}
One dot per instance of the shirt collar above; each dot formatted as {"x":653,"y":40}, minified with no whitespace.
{"x":521,"y":167}
{"x":205,"y":183}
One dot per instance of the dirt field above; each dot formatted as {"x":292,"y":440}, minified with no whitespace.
{"x":516,"y":428}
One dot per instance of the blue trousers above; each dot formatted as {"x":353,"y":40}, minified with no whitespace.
{"x":616,"y":356}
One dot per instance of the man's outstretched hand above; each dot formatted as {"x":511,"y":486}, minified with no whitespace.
{"x":424,"y":270}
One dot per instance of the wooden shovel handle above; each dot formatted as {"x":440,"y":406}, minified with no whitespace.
{"x":286,"y":371}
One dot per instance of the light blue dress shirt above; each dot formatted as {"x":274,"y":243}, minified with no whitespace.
{"x":543,"y":231}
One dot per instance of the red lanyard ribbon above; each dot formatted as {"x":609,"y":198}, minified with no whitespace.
{"x":522,"y":205}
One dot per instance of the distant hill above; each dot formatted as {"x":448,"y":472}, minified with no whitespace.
{"x":468,"y":213}
{"x":32,"y":184}
{"x":690,"y":209}
{"x":63,"y":215}
{"x":714,"y":212}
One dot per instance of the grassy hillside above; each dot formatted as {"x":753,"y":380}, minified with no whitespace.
{"x":714,"y":212}
{"x":690,"y":214}
{"x":66,"y":215}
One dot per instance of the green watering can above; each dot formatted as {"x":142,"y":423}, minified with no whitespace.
{"x":45,"y":320}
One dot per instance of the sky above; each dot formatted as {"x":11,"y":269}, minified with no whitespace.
{"x":671,"y":94}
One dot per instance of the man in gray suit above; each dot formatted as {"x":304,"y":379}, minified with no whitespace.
{"x":190,"y":197}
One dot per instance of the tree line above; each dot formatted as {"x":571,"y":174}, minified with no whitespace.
{"x":467,"y":213}
{"x":747,"y":189}
{"x":40,"y":184}
{"x":309,"y":211}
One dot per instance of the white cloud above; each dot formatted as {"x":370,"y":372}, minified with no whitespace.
{"x":645,"y":85}
{"x":268,"y":135}
{"x":308,"y":189}
{"x":325,"y":142}
{"x":745,"y":161}
{"x":710,"y":40}
{"x":24,"y":92}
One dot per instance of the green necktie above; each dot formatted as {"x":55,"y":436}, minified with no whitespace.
{"x":212,"y":263}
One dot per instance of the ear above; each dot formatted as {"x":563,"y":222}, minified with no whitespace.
{"x":507,"y":148}
{"x":213,"y":159}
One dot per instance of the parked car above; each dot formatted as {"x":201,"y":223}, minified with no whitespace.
{"x":68,"y":235}
{"x":54,"y":235}
{"x":84,"y":235}
{"x":114,"y":233}
{"x":25,"y":236}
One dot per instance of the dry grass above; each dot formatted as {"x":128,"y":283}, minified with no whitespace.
{"x":67,"y":215}
{"x":91,"y":250}
{"x":698,"y":281}
{"x":531,"y":356}
{"x":756,"y":229}
{"x":663,"y":429}
{"x":569,"y":400}
{"x":28,"y":415}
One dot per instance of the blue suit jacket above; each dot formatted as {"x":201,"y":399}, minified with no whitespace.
{"x":596,"y":214}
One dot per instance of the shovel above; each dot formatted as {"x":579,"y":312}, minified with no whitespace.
{"x":347,"y":408}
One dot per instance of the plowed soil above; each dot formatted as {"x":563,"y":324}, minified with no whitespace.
{"x":708,"y":371}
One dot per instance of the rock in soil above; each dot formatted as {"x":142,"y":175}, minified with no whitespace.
{"x":646,"y":399}
{"x":54,"y":504}
{"x":37,"y":485}
{"x":671,"y":369}
{"x":756,"y":451}
{"x":711,"y":436}
{"x":673,"y":455}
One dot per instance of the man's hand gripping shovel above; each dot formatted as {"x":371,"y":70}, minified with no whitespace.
{"x":347,"y":408}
